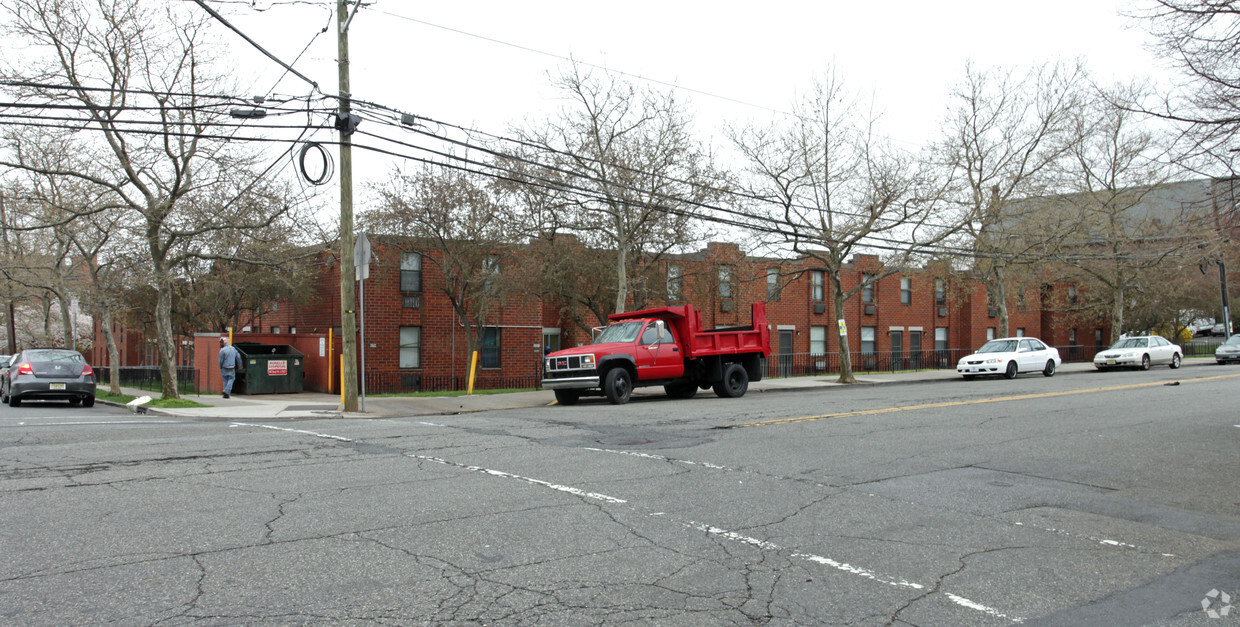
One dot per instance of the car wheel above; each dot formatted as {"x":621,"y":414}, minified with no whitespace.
{"x":618,"y":386}
{"x":1049,"y":370}
{"x":1011,"y":371}
{"x":681,"y":390}
{"x":74,"y":402}
{"x":567,"y":397}
{"x":4,"y":397}
{"x":1175,"y":361}
{"x":89,"y":401}
{"x":14,"y":401}
{"x":1145,"y":362}
{"x":735,"y":382}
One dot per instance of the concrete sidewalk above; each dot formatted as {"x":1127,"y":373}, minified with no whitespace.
{"x":306,"y":405}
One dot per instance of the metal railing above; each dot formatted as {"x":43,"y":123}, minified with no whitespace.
{"x":150,"y":378}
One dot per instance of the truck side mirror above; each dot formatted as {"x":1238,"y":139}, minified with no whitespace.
{"x":660,"y":331}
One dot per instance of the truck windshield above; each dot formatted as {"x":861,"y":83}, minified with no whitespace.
{"x":620,"y":332}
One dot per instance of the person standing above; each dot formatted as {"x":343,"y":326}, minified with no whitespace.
{"x":230,"y":363}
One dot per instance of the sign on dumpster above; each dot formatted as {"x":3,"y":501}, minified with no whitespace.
{"x":277,"y":367}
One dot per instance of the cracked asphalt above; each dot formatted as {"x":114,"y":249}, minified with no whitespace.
{"x":1066,"y":500}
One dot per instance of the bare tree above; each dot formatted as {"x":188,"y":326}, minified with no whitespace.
{"x":831,"y":187}
{"x":112,"y":60}
{"x":1003,"y":135}
{"x":452,"y":217}
{"x":620,"y":170}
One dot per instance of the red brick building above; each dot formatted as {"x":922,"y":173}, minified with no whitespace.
{"x":415,"y":340}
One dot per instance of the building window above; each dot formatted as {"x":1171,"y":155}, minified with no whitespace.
{"x":818,"y":340}
{"x":1071,"y":295}
{"x":868,"y":346}
{"x":1020,"y":332}
{"x":940,"y":338}
{"x":906,"y":291}
{"x":674,"y":274}
{"x":990,"y":333}
{"x":411,"y":347}
{"x":275,"y":330}
{"x":292,"y":330}
{"x":867,"y":288}
{"x":490,"y":270}
{"x":940,"y":293}
{"x":410,"y":272}
{"x":1020,"y":301}
{"x":816,"y":282}
{"x":1072,"y":337}
{"x":725,"y":281}
{"x":490,"y":348}
{"x":772,"y":283}
{"x":1097,"y":337}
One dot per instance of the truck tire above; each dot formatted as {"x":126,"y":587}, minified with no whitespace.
{"x":681,"y":390}
{"x":735,"y":382}
{"x":618,"y":386}
{"x":567,"y":397}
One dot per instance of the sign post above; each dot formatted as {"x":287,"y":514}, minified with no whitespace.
{"x":361,"y":267}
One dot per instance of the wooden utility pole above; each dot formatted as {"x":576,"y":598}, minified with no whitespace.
{"x":348,"y":333}
{"x":12,"y":325}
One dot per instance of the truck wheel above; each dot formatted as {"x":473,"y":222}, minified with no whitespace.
{"x":735,"y":382}
{"x":567,"y":397}
{"x":681,"y":390}
{"x":618,"y":385}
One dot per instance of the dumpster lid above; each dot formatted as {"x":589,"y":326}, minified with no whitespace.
{"x":251,"y":349}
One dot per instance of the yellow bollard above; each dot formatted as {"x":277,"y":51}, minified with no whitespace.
{"x":473,"y":368}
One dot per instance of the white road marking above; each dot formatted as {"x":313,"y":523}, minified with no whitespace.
{"x":817,"y":559}
{"x":304,"y":432}
{"x":659,"y":458}
{"x":973,"y":605}
{"x":508,"y":475}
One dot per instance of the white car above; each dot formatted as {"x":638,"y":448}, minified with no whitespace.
{"x":1140,"y":351}
{"x":1010,"y":356}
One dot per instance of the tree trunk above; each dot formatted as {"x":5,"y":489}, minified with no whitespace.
{"x":997,"y":288}
{"x":1117,"y":313}
{"x":114,"y":353}
{"x":841,"y":341}
{"x":622,"y":279}
{"x":163,"y":330}
{"x":66,"y":324}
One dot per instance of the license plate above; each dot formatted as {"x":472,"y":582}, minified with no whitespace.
{"x":57,"y":386}
{"x":1110,"y":362}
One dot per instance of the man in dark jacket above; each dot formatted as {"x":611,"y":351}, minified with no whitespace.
{"x":230,"y":363}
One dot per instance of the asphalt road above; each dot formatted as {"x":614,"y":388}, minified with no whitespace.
{"x":1101,"y":498}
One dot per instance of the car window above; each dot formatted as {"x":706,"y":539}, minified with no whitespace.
{"x":620,"y":332}
{"x":1235,"y":339}
{"x":55,"y":356}
{"x":1037,"y":345}
{"x":998,"y":346}
{"x":650,"y":335}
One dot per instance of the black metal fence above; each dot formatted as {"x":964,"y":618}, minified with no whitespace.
{"x":150,"y":378}
{"x":405,"y":382}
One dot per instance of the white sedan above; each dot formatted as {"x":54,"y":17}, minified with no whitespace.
{"x":1139,"y":352}
{"x":1009,"y":357}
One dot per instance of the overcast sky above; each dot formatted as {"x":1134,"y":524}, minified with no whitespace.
{"x":733,"y":61}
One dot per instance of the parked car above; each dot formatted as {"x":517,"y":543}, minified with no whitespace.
{"x":48,"y":373}
{"x":1140,"y":351}
{"x":1228,"y":351}
{"x":1010,"y":356}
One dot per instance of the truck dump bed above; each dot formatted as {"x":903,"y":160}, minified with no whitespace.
{"x":699,"y":342}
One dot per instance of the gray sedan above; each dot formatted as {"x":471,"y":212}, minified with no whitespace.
{"x":1140,"y":352}
{"x":1228,"y":351}
{"x":48,"y":373}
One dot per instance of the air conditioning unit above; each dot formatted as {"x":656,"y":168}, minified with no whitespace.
{"x":869,"y":310}
{"x":942,"y":312}
{"x":820,"y":308}
{"x":990,"y":313}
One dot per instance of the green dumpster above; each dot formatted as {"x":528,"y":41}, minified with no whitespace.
{"x":269,"y":369}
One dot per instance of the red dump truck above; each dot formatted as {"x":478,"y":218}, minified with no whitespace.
{"x":665,"y":346}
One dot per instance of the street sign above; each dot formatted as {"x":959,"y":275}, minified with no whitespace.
{"x":361,"y":257}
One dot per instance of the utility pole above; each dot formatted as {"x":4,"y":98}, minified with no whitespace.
{"x":348,"y":317}
{"x":1222,"y":280}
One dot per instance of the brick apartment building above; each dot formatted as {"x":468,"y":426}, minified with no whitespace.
{"x":415,"y":340}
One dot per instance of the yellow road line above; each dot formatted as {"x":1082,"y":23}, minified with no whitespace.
{"x":998,"y":399}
